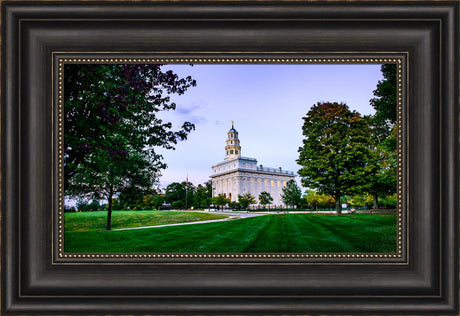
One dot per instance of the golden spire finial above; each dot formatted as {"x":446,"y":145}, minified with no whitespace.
{"x":232,"y":124}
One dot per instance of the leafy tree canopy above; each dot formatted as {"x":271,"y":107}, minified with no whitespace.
{"x":383,"y":136}
{"x":220,"y":200}
{"x":265,"y":198}
{"x":316,"y":199}
{"x":113,"y":109}
{"x":384,"y":101}
{"x":245,"y":200}
{"x":291,"y":194}
{"x":179,"y":191}
{"x":336,"y":150}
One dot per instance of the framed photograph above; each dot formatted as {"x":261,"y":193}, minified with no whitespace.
{"x":230,"y":157}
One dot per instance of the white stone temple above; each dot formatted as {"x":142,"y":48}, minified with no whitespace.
{"x":238,"y":175}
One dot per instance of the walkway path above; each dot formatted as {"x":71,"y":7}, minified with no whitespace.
{"x":233,"y":216}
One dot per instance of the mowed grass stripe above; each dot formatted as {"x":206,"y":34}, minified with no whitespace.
{"x":90,"y":221}
{"x":363,"y":235}
{"x":269,"y":233}
{"x":229,"y":236}
{"x":280,"y":235}
{"x":232,"y":237}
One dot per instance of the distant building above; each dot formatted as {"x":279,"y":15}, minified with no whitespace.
{"x":239,"y":175}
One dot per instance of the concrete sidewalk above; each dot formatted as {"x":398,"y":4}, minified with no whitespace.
{"x":180,"y":224}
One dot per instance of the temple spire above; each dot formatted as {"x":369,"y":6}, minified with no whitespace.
{"x":232,"y":147}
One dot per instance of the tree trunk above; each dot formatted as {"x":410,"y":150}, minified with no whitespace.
{"x":376,"y":201}
{"x":338,"y":204}
{"x":109,"y":209}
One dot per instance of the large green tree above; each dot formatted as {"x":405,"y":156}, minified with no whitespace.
{"x":292,"y":194}
{"x":336,"y":151}
{"x":383,"y":136}
{"x":112,"y":129}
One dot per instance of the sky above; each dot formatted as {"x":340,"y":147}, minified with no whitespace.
{"x":266,"y":103}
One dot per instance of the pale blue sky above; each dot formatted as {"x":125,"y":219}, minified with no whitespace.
{"x":267,"y":103}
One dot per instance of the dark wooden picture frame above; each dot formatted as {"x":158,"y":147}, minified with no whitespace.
{"x":36,"y":281}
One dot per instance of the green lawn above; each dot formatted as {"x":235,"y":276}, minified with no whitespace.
{"x":91,"y":221}
{"x":267,"y":233}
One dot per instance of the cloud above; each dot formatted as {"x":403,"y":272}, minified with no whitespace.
{"x":188,"y":113}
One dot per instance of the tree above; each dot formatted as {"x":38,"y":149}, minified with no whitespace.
{"x":245,"y":200}
{"x":158,"y":201}
{"x":316,"y":199}
{"x":325,"y":201}
{"x":152,"y":201}
{"x":265,"y":198}
{"x":178,"y":204}
{"x":177,"y":192}
{"x":335,"y":154}
{"x":202,"y":197}
{"x":383,"y":181}
{"x":101,"y":100}
{"x":111,"y":127}
{"x":105,"y":175}
{"x":220,"y":200}
{"x":291,"y":194}
{"x":358,"y":200}
{"x":116,"y":206}
{"x":131,"y":195}
{"x":383,"y":126}
{"x":88,"y":207}
{"x":234,"y":205}
{"x":384,"y":102}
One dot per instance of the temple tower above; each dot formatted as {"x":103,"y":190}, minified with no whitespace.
{"x":232,"y":147}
